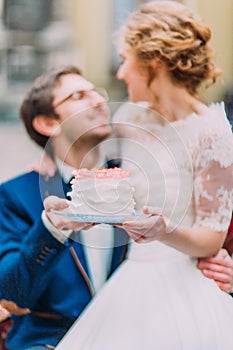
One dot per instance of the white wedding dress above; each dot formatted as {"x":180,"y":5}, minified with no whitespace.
{"x":158,"y":299}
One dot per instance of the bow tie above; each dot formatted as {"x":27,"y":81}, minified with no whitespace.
{"x":69,"y":183}
{"x":70,"y":180}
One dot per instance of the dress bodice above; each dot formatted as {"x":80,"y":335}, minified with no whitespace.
{"x":185,"y":167}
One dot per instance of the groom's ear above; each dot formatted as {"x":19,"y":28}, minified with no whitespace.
{"x":46,"y":126}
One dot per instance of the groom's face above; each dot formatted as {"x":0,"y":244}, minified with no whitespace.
{"x":82,"y":110}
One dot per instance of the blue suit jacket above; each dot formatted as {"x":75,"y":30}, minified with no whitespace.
{"x":37,"y":271}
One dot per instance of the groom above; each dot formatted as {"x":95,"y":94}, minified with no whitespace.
{"x":47,"y":274}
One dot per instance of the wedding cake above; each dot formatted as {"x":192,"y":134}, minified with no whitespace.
{"x":102,"y":191}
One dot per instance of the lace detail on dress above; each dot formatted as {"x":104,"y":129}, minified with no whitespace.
{"x":216,"y":147}
{"x":212,"y":154}
{"x":220,"y":207}
{"x":212,"y":138}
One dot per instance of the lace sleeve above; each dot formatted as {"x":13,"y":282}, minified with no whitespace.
{"x":213,"y":181}
{"x":213,"y":187}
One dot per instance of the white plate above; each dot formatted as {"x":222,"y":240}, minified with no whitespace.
{"x":100,"y":219}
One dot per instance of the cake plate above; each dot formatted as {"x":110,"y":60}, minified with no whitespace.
{"x":100,"y":219}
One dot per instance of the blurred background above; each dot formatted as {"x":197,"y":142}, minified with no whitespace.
{"x":38,"y":34}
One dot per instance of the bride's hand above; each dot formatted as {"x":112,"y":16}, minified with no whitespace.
{"x":55,"y":203}
{"x":149,"y":229}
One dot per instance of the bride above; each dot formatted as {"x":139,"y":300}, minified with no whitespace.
{"x":180,"y":154}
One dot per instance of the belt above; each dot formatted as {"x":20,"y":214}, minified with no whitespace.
{"x":13,"y":308}
{"x":51,"y":315}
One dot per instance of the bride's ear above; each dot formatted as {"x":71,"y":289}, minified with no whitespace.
{"x":156,"y":65}
{"x":46,"y":126}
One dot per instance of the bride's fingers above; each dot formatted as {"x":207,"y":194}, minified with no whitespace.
{"x":146,"y":230}
{"x":88,"y":225}
{"x":136,"y":233}
{"x":142,"y":237}
{"x":138,"y":238}
{"x":152,"y":210}
{"x":142,"y":225}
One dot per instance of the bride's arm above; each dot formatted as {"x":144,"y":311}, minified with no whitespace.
{"x":197,"y":242}
{"x":213,"y":192}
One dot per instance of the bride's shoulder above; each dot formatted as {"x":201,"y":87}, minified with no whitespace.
{"x":212,"y":121}
{"x":218,"y":112}
{"x":216,"y":122}
{"x":215,"y":138}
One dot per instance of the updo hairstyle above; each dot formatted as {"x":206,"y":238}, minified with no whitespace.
{"x":171,"y":32}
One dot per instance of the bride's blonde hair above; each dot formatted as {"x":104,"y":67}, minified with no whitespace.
{"x":171,"y":32}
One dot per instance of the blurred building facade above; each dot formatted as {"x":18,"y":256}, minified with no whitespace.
{"x":38,"y":34}
{"x":33,"y":36}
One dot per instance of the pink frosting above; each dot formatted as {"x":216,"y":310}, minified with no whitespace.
{"x":100,"y":173}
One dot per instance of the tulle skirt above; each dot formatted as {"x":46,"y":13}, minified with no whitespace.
{"x":155,"y":303}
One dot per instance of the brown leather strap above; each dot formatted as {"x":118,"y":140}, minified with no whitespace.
{"x":14,"y":309}
{"x":51,"y":315}
{"x":83,"y":272}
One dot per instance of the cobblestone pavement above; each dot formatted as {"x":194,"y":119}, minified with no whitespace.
{"x":17,"y":151}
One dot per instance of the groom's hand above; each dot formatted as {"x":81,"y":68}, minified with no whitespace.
{"x":52,"y":203}
{"x":219,"y":268}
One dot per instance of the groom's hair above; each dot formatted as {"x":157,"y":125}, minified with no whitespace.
{"x":39,"y":100}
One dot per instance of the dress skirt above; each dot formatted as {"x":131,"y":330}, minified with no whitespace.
{"x":156,"y":300}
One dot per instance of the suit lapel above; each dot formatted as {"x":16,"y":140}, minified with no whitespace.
{"x":78,"y":246}
{"x":77,"y":252}
{"x":121,"y":240}
{"x":53,"y":186}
